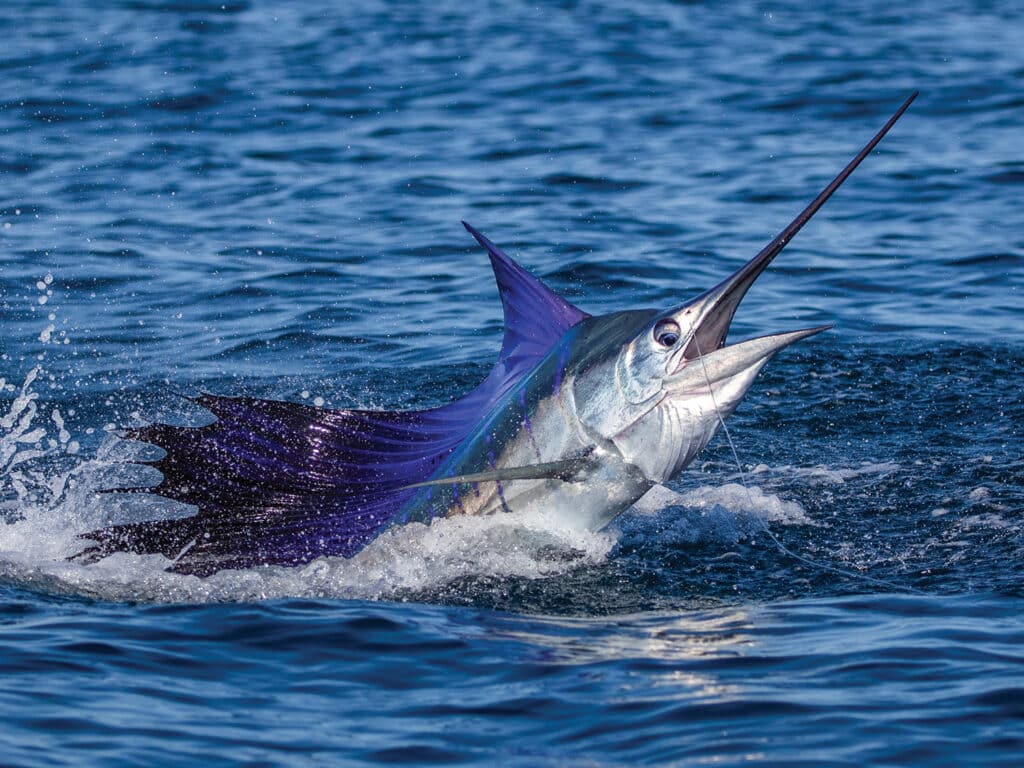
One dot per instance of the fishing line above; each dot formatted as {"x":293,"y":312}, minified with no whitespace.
{"x":764,"y":525}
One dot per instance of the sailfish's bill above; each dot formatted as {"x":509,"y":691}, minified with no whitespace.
{"x":716,"y":307}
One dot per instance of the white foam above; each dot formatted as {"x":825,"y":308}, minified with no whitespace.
{"x":730,"y":497}
{"x":822,"y":475}
{"x":412,"y":558}
{"x":979,"y":494}
{"x":716,"y":515}
{"x":987,"y":520}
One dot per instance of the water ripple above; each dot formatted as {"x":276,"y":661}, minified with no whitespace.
{"x":249,"y":198}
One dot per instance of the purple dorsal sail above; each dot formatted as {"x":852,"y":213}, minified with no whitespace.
{"x":535,"y":319}
{"x":535,"y":316}
{"x":280,"y":483}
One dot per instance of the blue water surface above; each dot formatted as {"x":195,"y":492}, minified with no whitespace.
{"x":264,"y":199}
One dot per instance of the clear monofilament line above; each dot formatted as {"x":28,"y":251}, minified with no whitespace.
{"x":764,"y":525}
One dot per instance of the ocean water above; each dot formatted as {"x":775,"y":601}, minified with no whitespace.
{"x":264,"y":199}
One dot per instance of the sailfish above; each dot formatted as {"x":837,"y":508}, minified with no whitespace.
{"x":580,"y":417}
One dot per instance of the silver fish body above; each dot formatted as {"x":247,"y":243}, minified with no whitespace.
{"x":619,"y":404}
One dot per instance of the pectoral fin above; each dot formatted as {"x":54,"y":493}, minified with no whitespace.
{"x":570,"y":470}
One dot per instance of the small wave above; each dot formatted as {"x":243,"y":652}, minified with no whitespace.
{"x":592,"y":183}
{"x":823,"y":475}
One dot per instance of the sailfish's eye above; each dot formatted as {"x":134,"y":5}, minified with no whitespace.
{"x":666,"y":333}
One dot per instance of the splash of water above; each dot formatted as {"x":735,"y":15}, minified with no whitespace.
{"x":49,"y":496}
{"x":50,"y":493}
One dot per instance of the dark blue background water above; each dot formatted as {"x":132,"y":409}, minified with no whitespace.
{"x":243,"y":198}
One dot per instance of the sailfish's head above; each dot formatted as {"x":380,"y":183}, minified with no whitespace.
{"x":664,"y":380}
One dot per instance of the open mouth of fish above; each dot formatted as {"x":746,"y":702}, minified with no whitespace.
{"x":713,"y":311}
{"x":705,"y":358}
